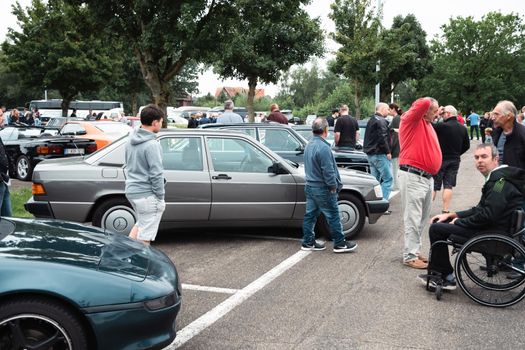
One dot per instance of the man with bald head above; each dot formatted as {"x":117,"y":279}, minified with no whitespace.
{"x":377,"y":148}
{"x":509,"y":135}
{"x":453,"y":141}
{"x":419,"y":160}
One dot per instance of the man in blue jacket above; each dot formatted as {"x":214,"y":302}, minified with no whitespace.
{"x":323,"y":183}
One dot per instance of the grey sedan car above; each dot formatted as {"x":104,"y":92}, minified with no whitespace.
{"x":213,"y":179}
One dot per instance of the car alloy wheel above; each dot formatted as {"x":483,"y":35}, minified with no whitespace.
{"x":34,"y":323}
{"x":23,"y":168}
{"x":352,"y":214}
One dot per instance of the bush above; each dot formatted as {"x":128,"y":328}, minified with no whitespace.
{"x":18,"y":198}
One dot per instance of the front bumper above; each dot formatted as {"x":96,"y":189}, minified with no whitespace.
{"x":39,"y":209}
{"x":376,"y":209}
{"x":136,"y":328}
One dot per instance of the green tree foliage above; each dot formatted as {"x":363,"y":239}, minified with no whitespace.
{"x":57,"y":49}
{"x":478,"y":63}
{"x":357,"y":31}
{"x":166,"y":35}
{"x":270,"y":36}
{"x":404,"y":54}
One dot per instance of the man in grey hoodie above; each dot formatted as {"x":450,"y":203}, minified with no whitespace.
{"x":144,"y":175}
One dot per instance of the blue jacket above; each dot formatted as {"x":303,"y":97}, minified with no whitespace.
{"x":319,"y":165}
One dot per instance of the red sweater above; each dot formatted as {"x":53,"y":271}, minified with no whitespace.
{"x":418,"y":140}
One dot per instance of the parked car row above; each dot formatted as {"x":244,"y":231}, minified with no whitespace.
{"x":214,"y":178}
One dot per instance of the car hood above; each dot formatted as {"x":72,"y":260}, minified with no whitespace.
{"x":63,"y":242}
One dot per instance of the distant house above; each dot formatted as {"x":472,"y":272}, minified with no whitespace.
{"x":183,"y":99}
{"x":230,"y":92}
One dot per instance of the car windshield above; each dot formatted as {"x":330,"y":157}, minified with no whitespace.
{"x":10,"y":134}
{"x":113,"y":129}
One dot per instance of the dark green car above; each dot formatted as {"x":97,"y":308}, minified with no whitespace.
{"x":69,"y":286}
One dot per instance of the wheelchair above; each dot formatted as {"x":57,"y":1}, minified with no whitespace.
{"x":483,"y":262}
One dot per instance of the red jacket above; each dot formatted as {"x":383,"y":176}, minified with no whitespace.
{"x":418,"y":139}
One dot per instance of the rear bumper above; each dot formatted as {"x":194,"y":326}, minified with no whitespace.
{"x":376,"y":209}
{"x":39,"y":209}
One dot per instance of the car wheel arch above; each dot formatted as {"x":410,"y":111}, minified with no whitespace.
{"x":101,"y":200}
{"x":55,"y":299}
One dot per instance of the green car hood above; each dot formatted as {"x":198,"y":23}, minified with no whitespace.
{"x":74,"y":244}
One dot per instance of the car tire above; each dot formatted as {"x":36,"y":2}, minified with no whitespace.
{"x":28,"y":321}
{"x":115,"y":214}
{"x":24,"y":169}
{"x":352,"y":212}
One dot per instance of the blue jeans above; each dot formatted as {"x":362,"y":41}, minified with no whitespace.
{"x":321,"y":200}
{"x":380,"y":168}
{"x":5,"y":200}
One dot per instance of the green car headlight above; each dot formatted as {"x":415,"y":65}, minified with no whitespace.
{"x":161,"y":303}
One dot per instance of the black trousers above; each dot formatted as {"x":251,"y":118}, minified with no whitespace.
{"x":439,"y":257}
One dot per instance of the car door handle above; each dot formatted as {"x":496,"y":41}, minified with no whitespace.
{"x":221,"y":177}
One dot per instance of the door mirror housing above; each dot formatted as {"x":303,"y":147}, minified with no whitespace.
{"x":277,"y":169}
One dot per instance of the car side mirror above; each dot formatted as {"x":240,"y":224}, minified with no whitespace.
{"x":300,"y":149}
{"x":277,"y":169}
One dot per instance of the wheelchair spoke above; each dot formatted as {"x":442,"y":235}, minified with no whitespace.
{"x":482,"y":267}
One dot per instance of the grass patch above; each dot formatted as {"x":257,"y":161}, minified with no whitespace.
{"x":18,"y":198}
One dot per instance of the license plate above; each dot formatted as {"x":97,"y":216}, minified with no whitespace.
{"x":74,"y":151}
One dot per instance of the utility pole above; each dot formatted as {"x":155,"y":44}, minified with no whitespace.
{"x":378,"y":65}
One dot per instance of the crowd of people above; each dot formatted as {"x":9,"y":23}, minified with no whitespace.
{"x":419,"y":154}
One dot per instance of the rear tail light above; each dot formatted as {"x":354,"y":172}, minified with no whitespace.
{"x":52,"y":149}
{"x":38,"y":189}
{"x":91,"y":148}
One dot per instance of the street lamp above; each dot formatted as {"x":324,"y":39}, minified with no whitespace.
{"x":378,"y":65}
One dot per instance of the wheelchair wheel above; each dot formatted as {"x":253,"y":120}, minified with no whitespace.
{"x":481,"y":268}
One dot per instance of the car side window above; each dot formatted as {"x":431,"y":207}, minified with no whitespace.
{"x":72,"y":129}
{"x":279,"y":140}
{"x":236,"y":155}
{"x":182,"y":153}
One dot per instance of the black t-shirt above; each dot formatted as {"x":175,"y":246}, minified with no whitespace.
{"x":347,"y":126}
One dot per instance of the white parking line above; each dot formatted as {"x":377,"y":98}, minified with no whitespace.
{"x":209,"y":318}
{"x":209,"y":289}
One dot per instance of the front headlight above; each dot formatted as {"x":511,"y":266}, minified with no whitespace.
{"x":161,"y":303}
{"x":378,"y":191}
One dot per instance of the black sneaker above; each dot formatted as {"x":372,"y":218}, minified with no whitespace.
{"x":447,"y":284}
{"x":313,"y":246}
{"x":345,"y":247}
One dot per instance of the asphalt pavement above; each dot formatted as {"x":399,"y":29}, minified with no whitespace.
{"x":254,"y":289}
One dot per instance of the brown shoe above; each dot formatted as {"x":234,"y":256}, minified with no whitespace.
{"x":422,"y":258}
{"x":416,"y":264}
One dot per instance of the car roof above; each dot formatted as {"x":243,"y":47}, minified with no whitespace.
{"x":255,"y":125}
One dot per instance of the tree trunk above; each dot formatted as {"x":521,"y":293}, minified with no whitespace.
{"x":134,"y":104}
{"x":160,"y":91}
{"x":357,"y":99}
{"x":66,"y":100}
{"x":252,"y":83}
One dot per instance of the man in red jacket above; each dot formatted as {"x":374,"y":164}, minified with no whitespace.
{"x":419,"y":159}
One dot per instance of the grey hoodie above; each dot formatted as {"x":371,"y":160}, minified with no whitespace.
{"x":144,"y":170}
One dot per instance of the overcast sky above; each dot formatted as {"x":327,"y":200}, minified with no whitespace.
{"x":432,"y":14}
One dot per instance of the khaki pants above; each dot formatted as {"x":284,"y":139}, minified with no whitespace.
{"x":416,"y":199}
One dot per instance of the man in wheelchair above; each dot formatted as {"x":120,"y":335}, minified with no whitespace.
{"x":501,"y":195}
